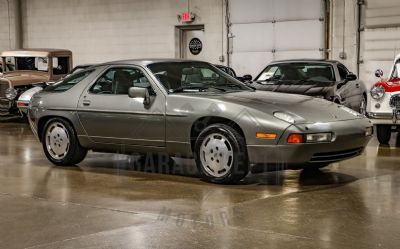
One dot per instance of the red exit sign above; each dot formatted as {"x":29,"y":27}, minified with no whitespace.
{"x":187,"y":17}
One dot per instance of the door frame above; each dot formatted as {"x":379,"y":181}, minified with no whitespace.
{"x":179,"y":30}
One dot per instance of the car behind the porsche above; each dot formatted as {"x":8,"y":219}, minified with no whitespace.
{"x":157,"y":106}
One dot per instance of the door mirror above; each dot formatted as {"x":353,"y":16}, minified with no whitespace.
{"x":247,"y":77}
{"x":379,"y":73}
{"x":351,"y":77}
{"x":139,"y":92}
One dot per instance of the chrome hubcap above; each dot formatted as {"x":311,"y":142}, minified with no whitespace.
{"x":57,"y":141}
{"x":216,"y":155}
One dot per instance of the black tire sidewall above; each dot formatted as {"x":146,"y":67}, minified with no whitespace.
{"x":240,"y":166}
{"x":383,"y":133}
{"x":70,"y":158}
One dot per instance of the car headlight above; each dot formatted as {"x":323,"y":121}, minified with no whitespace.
{"x":11,"y":93}
{"x":377,"y":92}
{"x":344,"y":108}
{"x":285,"y":117}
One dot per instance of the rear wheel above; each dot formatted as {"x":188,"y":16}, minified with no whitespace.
{"x":60,"y":143}
{"x":384,"y":133}
{"x":221,"y":154}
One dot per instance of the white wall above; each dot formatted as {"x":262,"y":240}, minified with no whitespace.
{"x":8,"y":22}
{"x":343,"y":35}
{"x":103,"y":30}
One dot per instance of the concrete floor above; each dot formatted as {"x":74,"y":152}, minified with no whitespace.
{"x":111,"y":202}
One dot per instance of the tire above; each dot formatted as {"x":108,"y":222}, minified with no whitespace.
{"x":60,"y":143}
{"x":221,"y":154}
{"x":384,"y":133}
{"x":363,"y":105}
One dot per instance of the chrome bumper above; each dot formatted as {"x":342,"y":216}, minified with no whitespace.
{"x":384,"y":118}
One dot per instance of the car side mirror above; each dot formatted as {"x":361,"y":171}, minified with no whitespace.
{"x":351,"y":77}
{"x":379,"y":73}
{"x":140,"y":92}
{"x":247,"y":77}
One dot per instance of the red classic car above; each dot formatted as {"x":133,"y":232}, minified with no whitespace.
{"x":384,"y":110}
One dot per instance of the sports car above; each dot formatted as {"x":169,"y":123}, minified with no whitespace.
{"x":191,"y":109}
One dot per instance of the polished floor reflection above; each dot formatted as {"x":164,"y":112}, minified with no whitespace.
{"x":116,"y":201}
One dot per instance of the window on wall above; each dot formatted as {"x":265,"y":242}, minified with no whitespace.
{"x":119,"y":80}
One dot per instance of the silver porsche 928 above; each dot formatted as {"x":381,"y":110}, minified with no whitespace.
{"x":191,"y":109}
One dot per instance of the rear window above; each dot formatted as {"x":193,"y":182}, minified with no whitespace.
{"x":69,"y":82}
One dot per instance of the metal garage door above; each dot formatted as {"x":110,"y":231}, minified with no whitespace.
{"x":265,"y":30}
{"x":380,"y":40}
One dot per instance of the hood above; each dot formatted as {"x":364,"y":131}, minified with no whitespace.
{"x":390,"y":85}
{"x":21,"y":78}
{"x":306,"y":109}
{"x":312,"y":88}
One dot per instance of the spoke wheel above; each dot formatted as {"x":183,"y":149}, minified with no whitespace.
{"x":57,"y":140}
{"x":216,"y":155}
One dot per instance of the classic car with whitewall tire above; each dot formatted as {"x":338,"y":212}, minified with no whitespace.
{"x":155,"y":106}
{"x":384,"y":108}
{"x":28,"y":68}
{"x":327,"y":79}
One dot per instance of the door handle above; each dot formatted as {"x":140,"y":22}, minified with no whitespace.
{"x":86,"y":102}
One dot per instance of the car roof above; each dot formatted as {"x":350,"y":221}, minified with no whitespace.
{"x":145,"y":62}
{"x":35,"y":52}
{"x":305,"y":60}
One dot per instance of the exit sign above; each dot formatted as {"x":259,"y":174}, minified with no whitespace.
{"x":187,"y":17}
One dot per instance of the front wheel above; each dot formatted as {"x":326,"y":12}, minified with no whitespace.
{"x":384,"y":133}
{"x":60,"y":143}
{"x":221,"y":154}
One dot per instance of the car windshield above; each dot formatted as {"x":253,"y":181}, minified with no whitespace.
{"x":396,"y":70}
{"x":68,"y":82}
{"x":300,"y":72}
{"x":194,"y":77}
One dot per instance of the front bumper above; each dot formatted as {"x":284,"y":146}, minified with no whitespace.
{"x":383,"y":118}
{"x":349,"y":141}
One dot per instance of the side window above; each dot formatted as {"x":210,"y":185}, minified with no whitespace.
{"x":119,"y":80}
{"x":68,"y":82}
{"x":60,"y":65}
{"x":343,"y":72}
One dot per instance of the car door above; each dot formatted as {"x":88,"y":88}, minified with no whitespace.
{"x":350,"y":92}
{"x":109,"y":115}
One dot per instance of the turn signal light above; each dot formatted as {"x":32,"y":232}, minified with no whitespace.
{"x":266,"y":135}
{"x":295,"y":139}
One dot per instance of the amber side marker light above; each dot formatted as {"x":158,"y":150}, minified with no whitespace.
{"x":295,"y":139}
{"x":266,"y":135}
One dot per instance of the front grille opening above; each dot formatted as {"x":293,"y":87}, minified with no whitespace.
{"x":335,"y":156}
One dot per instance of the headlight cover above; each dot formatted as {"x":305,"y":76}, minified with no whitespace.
{"x":285,"y":117}
{"x":344,"y":108}
{"x":377,"y":92}
{"x":11,"y":93}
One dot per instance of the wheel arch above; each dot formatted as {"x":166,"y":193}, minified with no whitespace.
{"x":201,"y":123}
{"x":43,"y":120}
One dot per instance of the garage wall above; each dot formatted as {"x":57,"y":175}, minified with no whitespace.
{"x":9,"y":38}
{"x":380,"y":40}
{"x":103,"y":30}
{"x":266,"y":30}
